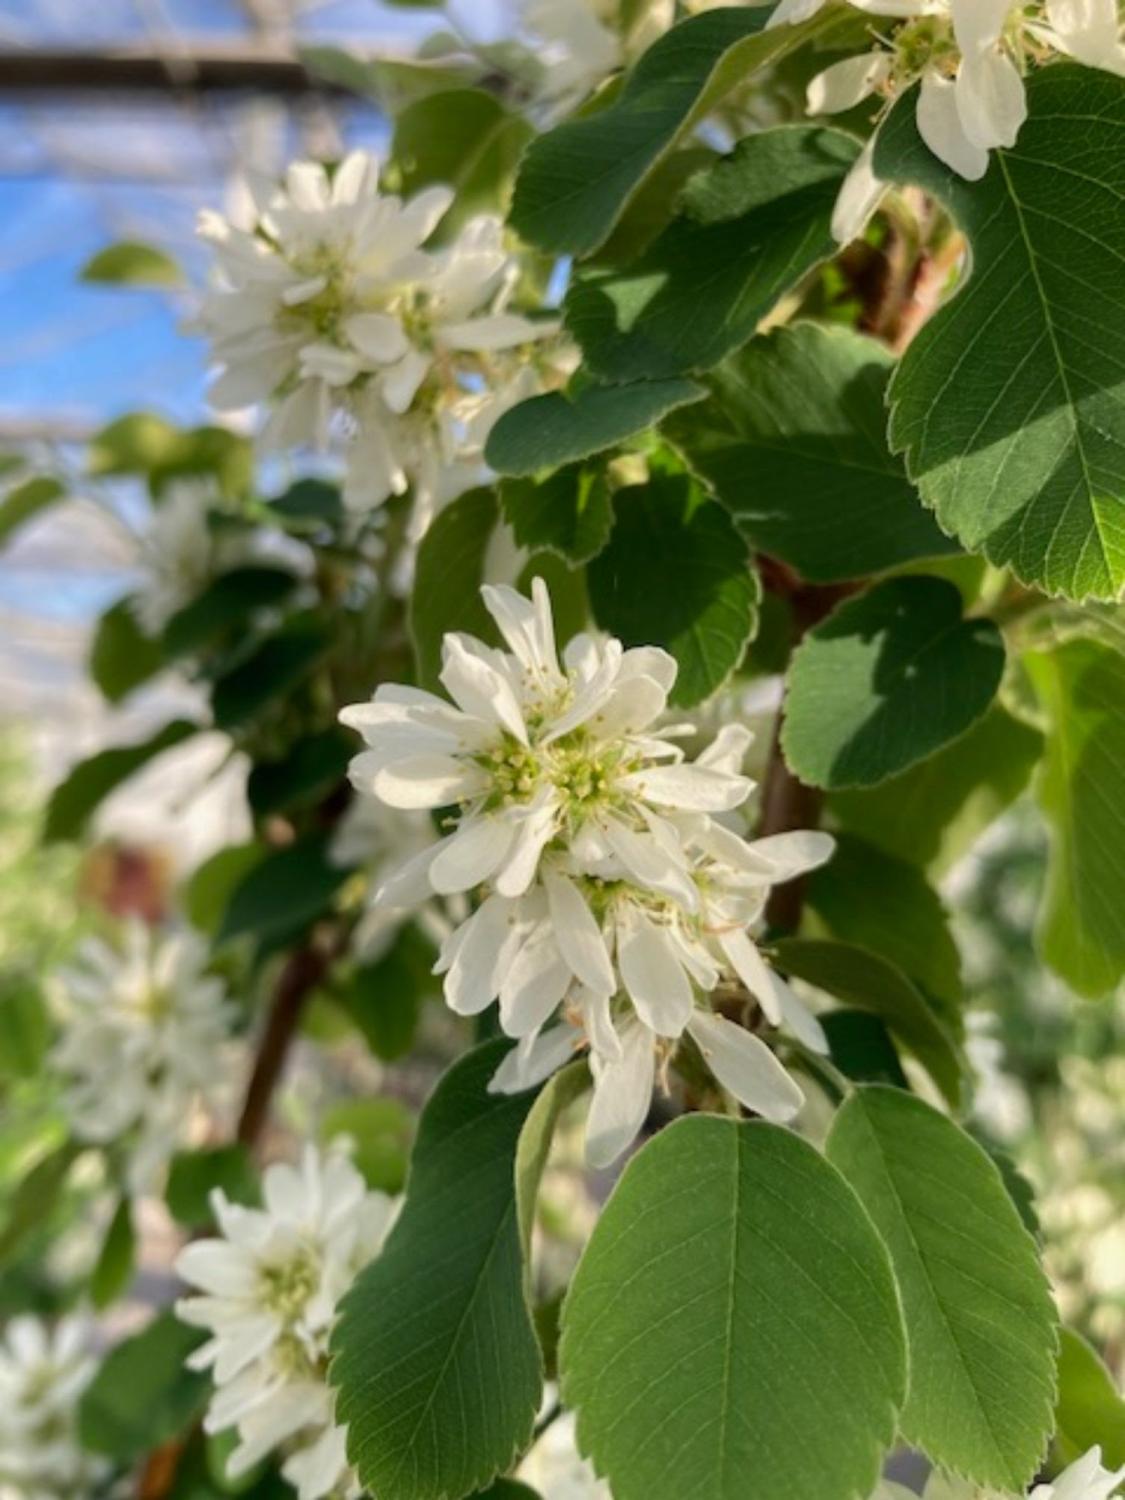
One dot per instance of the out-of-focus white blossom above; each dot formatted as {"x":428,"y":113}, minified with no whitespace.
{"x":270,"y":1285}
{"x":1086,"y":1479}
{"x":611,"y":886}
{"x":144,"y":1029}
{"x":335,"y":305}
{"x":43,"y":1372}
{"x":579,"y":43}
{"x":970,"y":57}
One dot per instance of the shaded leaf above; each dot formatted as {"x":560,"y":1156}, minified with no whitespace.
{"x":889,"y":678}
{"x":570,"y":512}
{"x":861,"y":1047}
{"x":677,"y":574}
{"x":447,"y":580}
{"x":464,"y":139}
{"x":701,"y":289}
{"x":112,"y":1416}
{"x":114,"y":1267}
{"x":76,"y":797}
{"x":227,"y":602}
{"x":547,"y":431}
{"x":794,"y":443}
{"x":208,"y":891}
{"x":122,"y":657}
{"x":272,"y":670}
{"x":440,"y":1391}
{"x":283,"y":893}
{"x":576,"y":181}
{"x":381,"y":1130}
{"x":312,"y":768}
{"x":194,"y":1175}
{"x":868,"y":982}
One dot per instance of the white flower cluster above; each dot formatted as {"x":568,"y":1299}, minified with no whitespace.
{"x":270,"y":1288}
{"x":1084,"y":1480}
{"x":143,"y":1031}
{"x":43,"y":1373}
{"x":581,"y":42}
{"x":331,"y":304}
{"x":612,"y":884}
{"x":970,"y":56}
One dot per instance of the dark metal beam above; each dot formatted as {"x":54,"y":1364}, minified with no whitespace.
{"x":59,"y":71}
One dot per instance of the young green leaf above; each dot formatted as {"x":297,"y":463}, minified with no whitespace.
{"x":74,"y":800}
{"x":464,"y":139}
{"x":25,"y":1026}
{"x":677,"y":574}
{"x":114,"y":1268}
{"x":578,"y":179}
{"x":1008,"y":403}
{"x":25,"y":501}
{"x":143,"y":1393}
{"x":131,"y":263}
{"x":1090,"y":1411}
{"x":548,"y":431}
{"x":1082,"y":793}
{"x":889,"y":678}
{"x":870,"y":983}
{"x":436,"y":1363}
{"x":702,"y":287}
{"x":981,"y":1326}
{"x":935,"y":811}
{"x":380,"y":1132}
{"x":194,"y":1175}
{"x":384,"y":999}
{"x":122,"y":657}
{"x":733,"y":1328}
{"x":793,"y":441}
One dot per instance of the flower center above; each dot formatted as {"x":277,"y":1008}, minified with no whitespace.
{"x":286,"y":1287}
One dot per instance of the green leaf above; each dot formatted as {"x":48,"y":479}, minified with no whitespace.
{"x":382,"y":1130}
{"x":131,"y":263}
{"x":566,"y":585}
{"x":91,"y":781}
{"x":677,"y":574}
{"x":122,"y":657}
{"x":1090,"y":1411}
{"x":25,"y":1027}
{"x":208,"y":892}
{"x":194,"y":1175}
{"x":114,"y":1269}
{"x":570,"y":512}
{"x":25,"y":501}
{"x":283,"y":893}
{"x":865,"y":981}
{"x":385,"y":998}
{"x":702,"y":287}
{"x":556,"y":1095}
{"x":271,"y":672}
{"x":576,"y":181}
{"x":436,"y":1363}
{"x":889,"y":678}
{"x":133,"y":444}
{"x":980,"y":1323}
{"x":464,"y":139}
{"x":225,"y":604}
{"x":1081,"y":790}
{"x":313,"y":767}
{"x":447,"y":580}
{"x":934,"y":812}
{"x":1021,"y":456}
{"x":794,"y":443}
{"x":547,"y":431}
{"x":310,"y":502}
{"x":142,"y":1394}
{"x":34,"y":1199}
{"x":732,"y":1328}
{"x":861,"y":1047}
{"x":879,"y":902}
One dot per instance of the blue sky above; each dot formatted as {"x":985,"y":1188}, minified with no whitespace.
{"x":86,"y":353}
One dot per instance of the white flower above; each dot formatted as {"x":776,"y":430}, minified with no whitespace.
{"x":970,"y":56}
{"x":333,"y":305}
{"x":143,"y":1033}
{"x":270,"y":1288}
{"x":611,"y":886}
{"x":180,"y":552}
{"x":579,"y":43}
{"x":533,"y":751}
{"x":43,"y":1373}
{"x":1084,"y":1480}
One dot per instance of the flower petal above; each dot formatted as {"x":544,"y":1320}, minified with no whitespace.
{"x":655,"y":978}
{"x":579,"y":938}
{"x":745,"y":1065}
{"x":622,"y":1096}
{"x":939,"y":125}
{"x":428,"y":781}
